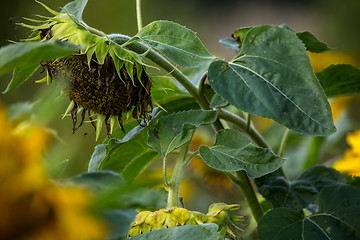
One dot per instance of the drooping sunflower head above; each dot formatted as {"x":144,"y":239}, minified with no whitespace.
{"x":104,"y":79}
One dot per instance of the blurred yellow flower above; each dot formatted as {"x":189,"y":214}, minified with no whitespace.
{"x":350,"y":163}
{"x":319,"y":61}
{"x":32,"y":207}
{"x":339,"y":104}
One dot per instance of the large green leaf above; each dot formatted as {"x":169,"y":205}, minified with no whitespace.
{"x":16,"y":56}
{"x":233,"y":152}
{"x":20,"y":75}
{"x":206,"y":231}
{"x":128,"y":156}
{"x":272,"y":77}
{"x":174,"y":130}
{"x":75,"y":9}
{"x":340,"y":80}
{"x":177,"y":42}
{"x":298,"y":194}
{"x":338,"y":218}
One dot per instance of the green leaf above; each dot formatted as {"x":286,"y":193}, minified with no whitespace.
{"x":20,"y":75}
{"x":340,"y":80}
{"x":298,"y":194}
{"x":97,"y":180}
{"x":179,"y":44}
{"x":338,"y":218}
{"x":272,"y":77}
{"x":233,"y":152}
{"x":75,"y":9}
{"x":312,"y":44}
{"x":217,"y":101}
{"x":174,"y":130}
{"x":118,"y":222}
{"x":239,"y":34}
{"x":206,"y":231}
{"x":164,"y":92}
{"x":128,"y":156}
{"x":230,"y":43}
{"x":21,"y":55}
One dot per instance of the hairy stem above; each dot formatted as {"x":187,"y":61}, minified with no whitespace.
{"x":242,"y":180}
{"x":174,"y":185}
{"x":138,"y":15}
{"x":161,"y":61}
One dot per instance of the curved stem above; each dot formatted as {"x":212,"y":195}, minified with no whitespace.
{"x":161,"y":61}
{"x":248,"y":123}
{"x":138,"y":14}
{"x":283,"y":142}
{"x":194,"y":154}
{"x":242,"y":180}
{"x":201,"y":85}
{"x":241,"y":123}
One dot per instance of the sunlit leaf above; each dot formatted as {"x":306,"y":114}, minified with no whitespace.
{"x":272,"y":77}
{"x":75,"y":9}
{"x":232,"y":151}
{"x":177,"y":42}
{"x":340,"y":80}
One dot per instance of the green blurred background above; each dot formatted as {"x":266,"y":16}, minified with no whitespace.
{"x":334,"y":22}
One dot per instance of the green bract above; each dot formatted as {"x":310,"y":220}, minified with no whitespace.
{"x":219,"y":213}
{"x":104,"y":78}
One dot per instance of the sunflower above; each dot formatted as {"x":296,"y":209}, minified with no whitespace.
{"x":32,"y":207}
{"x":104,"y":80}
{"x":350,"y":163}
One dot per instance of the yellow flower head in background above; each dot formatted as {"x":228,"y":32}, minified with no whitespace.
{"x":350,"y":163}
{"x":31,"y":206}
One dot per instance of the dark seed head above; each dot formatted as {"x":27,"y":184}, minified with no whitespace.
{"x":98,"y":87}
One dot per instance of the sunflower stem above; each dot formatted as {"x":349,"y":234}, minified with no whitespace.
{"x":174,"y":185}
{"x":138,"y":15}
{"x":243,"y":124}
{"x":283,"y":142}
{"x":161,"y":61}
{"x":166,"y":182}
{"x":242,"y":180}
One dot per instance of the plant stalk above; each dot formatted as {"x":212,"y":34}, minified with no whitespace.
{"x":243,"y":124}
{"x":283,"y":142}
{"x":138,"y":15}
{"x":242,"y":180}
{"x":161,"y":61}
{"x":174,"y":185}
